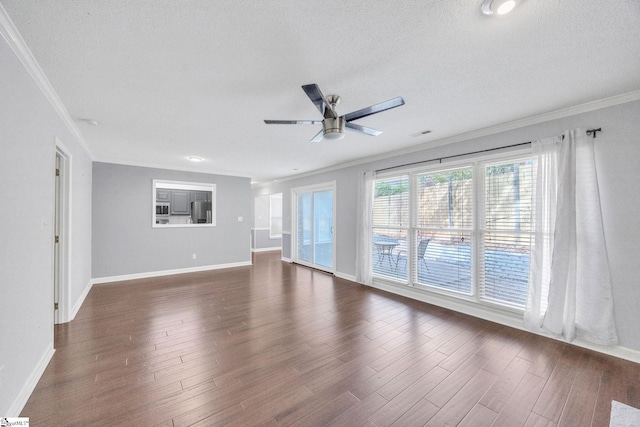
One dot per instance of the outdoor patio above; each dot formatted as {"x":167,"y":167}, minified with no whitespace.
{"x":448,"y":266}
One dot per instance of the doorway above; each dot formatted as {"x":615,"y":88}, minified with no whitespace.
{"x":314,"y":226}
{"x":61,"y":235}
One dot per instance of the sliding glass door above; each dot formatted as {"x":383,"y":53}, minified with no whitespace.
{"x":314,"y":226}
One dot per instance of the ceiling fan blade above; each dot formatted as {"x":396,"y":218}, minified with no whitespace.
{"x":318,"y":136}
{"x":377,"y":108}
{"x":363,"y":129}
{"x":318,"y":99}
{"x":293,"y":122}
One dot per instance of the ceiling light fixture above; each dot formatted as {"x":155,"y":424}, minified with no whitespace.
{"x":499,"y":7}
{"x":195,"y":159}
{"x":333,"y":128}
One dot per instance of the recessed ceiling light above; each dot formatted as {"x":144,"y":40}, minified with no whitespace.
{"x":499,"y":7}
{"x":195,"y":159}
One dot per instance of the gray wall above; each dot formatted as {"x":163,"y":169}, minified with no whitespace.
{"x":618,"y":162}
{"x":124,"y":241}
{"x":346,"y":188}
{"x":29,"y":126}
{"x":262,"y":240}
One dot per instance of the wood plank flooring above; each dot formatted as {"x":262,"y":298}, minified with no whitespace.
{"x":277,"y":344}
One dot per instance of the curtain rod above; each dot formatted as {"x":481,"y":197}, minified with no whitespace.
{"x":440,"y":159}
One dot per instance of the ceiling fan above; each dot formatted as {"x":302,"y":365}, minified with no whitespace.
{"x":332,"y":124}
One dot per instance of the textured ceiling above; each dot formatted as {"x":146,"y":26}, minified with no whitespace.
{"x":167,"y":79}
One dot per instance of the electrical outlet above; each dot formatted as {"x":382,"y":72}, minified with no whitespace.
{"x":239,"y":219}
{"x":193,"y":256}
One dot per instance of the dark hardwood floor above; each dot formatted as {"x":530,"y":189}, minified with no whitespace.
{"x":278,"y":344}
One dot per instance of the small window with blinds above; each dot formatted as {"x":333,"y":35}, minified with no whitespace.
{"x":390,"y":227}
{"x":506,"y":234}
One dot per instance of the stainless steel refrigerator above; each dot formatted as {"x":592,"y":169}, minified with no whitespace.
{"x":201,"y":212}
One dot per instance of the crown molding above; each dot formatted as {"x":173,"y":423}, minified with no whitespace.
{"x":532,"y":120}
{"x":17,"y":44}
{"x":491,"y":130}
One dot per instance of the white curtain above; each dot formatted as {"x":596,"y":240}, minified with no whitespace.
{"x":570,"y":280}
{"x":364,"y":236}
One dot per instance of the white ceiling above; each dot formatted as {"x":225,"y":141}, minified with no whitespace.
{"x":167,"y":79}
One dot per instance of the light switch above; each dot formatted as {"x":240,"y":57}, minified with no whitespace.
{"x":239,"y":219}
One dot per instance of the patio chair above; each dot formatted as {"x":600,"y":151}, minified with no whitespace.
{"x":422,"y":250}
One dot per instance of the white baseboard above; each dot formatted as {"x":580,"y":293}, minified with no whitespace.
{"x":615,"y":351}
{"x":345,"y":276}
{"x":80,"y":301}
{"x":512,"y":320}
{"x":275,"y":248}
{"x":30,"y":385}
{"x":98,"y":280}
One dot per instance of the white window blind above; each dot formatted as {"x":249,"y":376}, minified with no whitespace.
{"x":466,"y":231}
{"x":391,"y":207}
{"x":442,"y":237}
{"x":506,"y":235}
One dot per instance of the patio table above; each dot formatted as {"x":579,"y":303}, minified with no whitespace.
{"x":385,"y":247}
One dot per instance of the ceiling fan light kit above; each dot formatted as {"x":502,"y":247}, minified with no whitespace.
{"x":333,"y":125}
{"x":333,"y":128}
{"x":498,"y":7}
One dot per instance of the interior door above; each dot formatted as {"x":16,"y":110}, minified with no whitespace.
{"x":57,"y":220}
{"x":60,"y":238}
{"x":314,"y":228}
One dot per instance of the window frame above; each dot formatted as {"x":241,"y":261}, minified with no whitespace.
{"x":415,"y":229}
{"x":167,"y":184}
{"x":478,"y":163}
{"x":399,"y":228}
{"x":482,"y":229}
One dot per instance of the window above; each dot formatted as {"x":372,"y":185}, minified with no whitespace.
{"x":443,"y":234}
{"x":465,"y":231}
{"x":506,"y":235}
{"x":391,"y":227}
{"x":183,"y":204}
{"x":275,"y":216}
